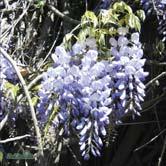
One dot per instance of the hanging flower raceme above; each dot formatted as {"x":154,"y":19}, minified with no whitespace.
{"x":6,"y":100}
{"x":81,"y":88}
{"x":149,"y":5}
{"x":1,"y":102}
{"x":103,"y":4}
{"x":7,"y":71}
{"x":4,"y":73}
{"x":88,"y":91}
{"x":1,"y":95}
{"x":128,"y":89}
{"x":157,"y":7}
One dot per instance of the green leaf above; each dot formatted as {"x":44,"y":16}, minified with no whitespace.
{"x":86,"y":32}
{"x":134,"y":22}
{"x":39,"y":3}
{"x":122,"y":6}
{"x":67,"y":40}
{"x":68,"y":37}
{"x":89,"y":17}
{"x":118,"y":5}
{"x":37,"y":87}
{"x":1,"y":156}
{"x":112,"y":31}
{"x":34,"y":100}
{"x":101,"y":40}
{"x":128,"y":8}
{"x":160,"y":47}
{"x":141,"y":14}
{"x":13,"y":89}
{"x":108,"y":18}
{"x":137,"y":24}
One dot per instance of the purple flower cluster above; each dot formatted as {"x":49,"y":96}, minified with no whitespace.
{"x":127,"y":74}
{"x":81,"y":88}
{"x":89,"y":91}
{"x":1,"y":95}
{"x":6,"y":73}
{"x":6,"y":70}
{"x":1,"y":106}
{"x":160,"y":9}
{"x":104,"y":4}
{"x":148,"y":5}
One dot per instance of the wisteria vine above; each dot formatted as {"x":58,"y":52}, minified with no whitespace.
{"x":90,"y":91}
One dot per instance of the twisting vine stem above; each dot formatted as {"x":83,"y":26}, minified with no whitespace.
{"x":25,"y":88}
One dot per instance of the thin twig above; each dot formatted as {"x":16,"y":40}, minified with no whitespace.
{"x":34,"y":147}
{"x":16,"y":22}
{"x":140,"y":123}
{"x":6,"y":4}
{"x":162,"y":153}
{"x":10,"y":10}
{"x":37,"y":130}
{"x":55,"y":41}
{"x":153,"y":139}
{"x":30,"y":85}
{"x":14,"y":139}
{"x":163,"y":74}
{"x":154,"y":6}
{"x":75,"y":28}
{"x":150,"y":62}
{"x":153,"y":102}
{"x":153,"y":73}
{"x":3,"y":122}
{"x":86,"y":5}
{"x":34,"y":81}
{"x":63,"y":16}
{"x":150,"y":104}
{"x":73,"y":155}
